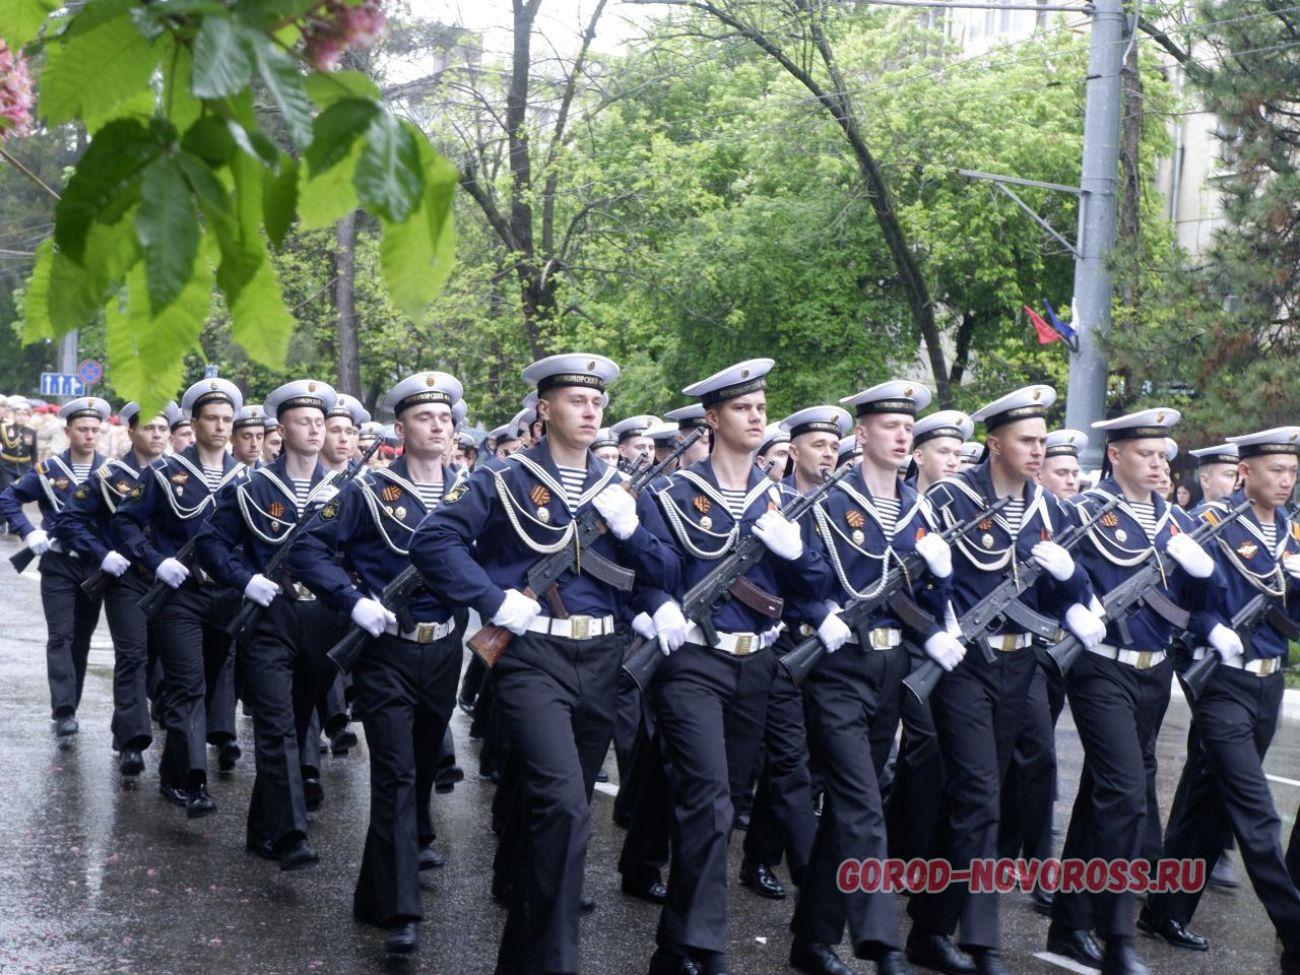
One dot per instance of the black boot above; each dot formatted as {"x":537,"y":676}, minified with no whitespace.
{"x":816,"y":958}
{"x":650,"y":889}
{"x":198,"y":803}
{"x":665,"y":963}
{"x":892,"y":963}
{"x":988,"y":961}
{"x":932,"y":950}
{"x":227,"y":755}
{"x":65,"y":726}
{"x":759,"y":878}
{"x":1074,"y":944}
{"x":403,"y":940}
{"x":1224,"y":875}
{"x":1172,"y":932}
{"x":430,"y":859}
{"x":131,"y":763}
{"x":1121,"y":958}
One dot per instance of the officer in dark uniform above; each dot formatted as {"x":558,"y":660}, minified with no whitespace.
{"x":1234,"y":719}
{"x":83,"y":528}
{"x":710,"y":702}
{"x":280,"y":663}
{"x":70,"y":615}
{"x":405,"y":682}
{"x":17,"y":443}
{"x":1029,"y":790}
{"x":773,"y":454}
{"x":979,"y":707}
{"x":868,"y":523}
{"x":555,"y":683}
{"x":782,"y":819}
{"x":164,"y":510}
{"x":1119,"y":689}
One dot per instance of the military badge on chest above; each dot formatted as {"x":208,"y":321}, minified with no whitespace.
{"x":855,"y":520}
{"x":1247,"y":550}
{"x":391,"y":493}
{"x":541,"y":497}
{"x":702,"y":504}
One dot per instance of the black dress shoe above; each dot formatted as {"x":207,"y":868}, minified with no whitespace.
{"x":1224,"y":875}
{"x":198,"y":803}
{"x":759,"y":878}
{"x":586,"y":904}
{"x":1074,"y":944}
{"x":1121,"y":958}
{"x":663,"y":963}
{"x":602,"y":776}
{"x":313,"y":793}
{"x":652,"y":890}
{"x":297,"y":855}
{"x":988,"y":961}
{"x":403,"y":939}
{"x":66,"y":726}
{"x":177,"y":797}
{"x":131,"y":763}
{"x":742,"y":820}
{"x":1170,"y":931}
{"x":816,"y":958}
{"x":465,"y":705}
{"x":931,"y":950}
{"x":445,"y":780}
{"x":1041,"y":901}
{"x":430,"y":859}
{"x":227,"y":755}
{"x":892,"y":963}
{"x":263,"y":848}
{"x":343,"y":742}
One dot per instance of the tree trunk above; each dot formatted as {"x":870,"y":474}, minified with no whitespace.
{"x":345,"y":274}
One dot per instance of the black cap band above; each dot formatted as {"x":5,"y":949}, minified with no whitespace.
{"x":1062,"y":450}
{"x":631,"y":432}
{"x":300,"y":402}
{"x":570,"y":379}
{"x":1264,"y":449}
{"x":904,"y":406}
{"x":1207,"y":459}
{"x":1034,"y":412}
{"x":690,"y":423}
{"x":815,"y":426}
{"x":725,"y":393}
{"x":213,"y":396}
{"x":249,"y":421}
{"x":935,"y":433}
{"x":1136,"y":433}
{"x":182,"y":422}
{"x":420,"y":398}
{"x":78,"y":414}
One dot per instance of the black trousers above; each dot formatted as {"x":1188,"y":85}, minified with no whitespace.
{"x":1293,"y":851}
{"x":194,"y":649}
{"x":978,"y":710}
{"x":629,"y":719}
{"x":1223,"y":785}
{"x":649,"y":804}
{"x":555,"y":698}
{"x":916,"y":794}
{"x":70,"y":620}
{"x":1029,"y":790}
{"x":475,"y":673}
{"x":130,"y":631}
{"x":407,"y":692}
{"x":282,"y":673}
{"x":1117,"y":710}
{"x":783,"y":819}
{"x":844,"y":693}
{"x":710,"y":708}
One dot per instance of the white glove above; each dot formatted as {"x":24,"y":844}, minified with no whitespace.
{"x":643,"y":626}
{"x":619,"y":511}
{"x":671,"y":626}
{"x":768,"y":638}
{"x":115,"y":564}
{"x":261,"y":590}
{"x":37,"y":541}
{"x":945,"y":649}
{"x":1098,"y":610}
{"x":172,"y":572}
{"x":1187,"y":552}
{"x":1084,"y":624}
{"x":369,"y":614}
{"x":516,"y":612}
{"x":1226,"y":643}
{"x":1291,"y":564}
{"x":1054,"y":560}
{"x":780,"y":535}
{"x":833,"y":632}
{"x":937,"y":554}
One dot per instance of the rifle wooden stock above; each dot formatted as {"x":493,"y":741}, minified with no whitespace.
{"x":21,"y":559}
{"x":97,"y":583}
{"x":490,"y":641}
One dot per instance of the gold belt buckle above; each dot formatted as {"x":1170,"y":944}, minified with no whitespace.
{"x":1009,"y":642}
{"x":1144,"y":659}
{"x":745,"y":645}
{"x":879,"y":639}
{"x":424,"y":633}
{"x":580,"y":627}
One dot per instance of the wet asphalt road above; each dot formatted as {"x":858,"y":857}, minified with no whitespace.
{"x":102,"y":876}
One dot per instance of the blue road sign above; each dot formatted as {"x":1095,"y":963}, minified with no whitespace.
{"x":61,"y":384}
{"x":90,"y":372}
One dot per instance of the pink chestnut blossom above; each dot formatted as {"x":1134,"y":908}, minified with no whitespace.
{"x":338,"y":26}
{"x":16,"y":98}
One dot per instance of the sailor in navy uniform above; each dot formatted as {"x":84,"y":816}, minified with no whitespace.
{"x":164,"y":510}
{"x":249,"y":431}
{"x":83,"y":528}
{"x":633,"y":444}
{"x":1234,"y":719}
{"x":605,"y":446}
{"x":979,"y":707}
{"x":782,"y":820}
{"x":405,"y":680}
{"x":70,"y":615}
{"x":710,"y":702}
{"x":912,"y":785}
{"x":1029,"y":789}
{"x":1216,"y":471}
{"x":280,"y":665}
{"x":181,"y":432}
{"x":773,"y":455}
{"x":555,"y":684}
{"x":868,"y":523}
{"x":1119,"y":688}
{"x":850,"y":452}
{"x":689,"y":419}
{"x":664,"y":435}
{"x":971,"y":454}
{"x":17,"y":443}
